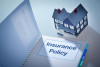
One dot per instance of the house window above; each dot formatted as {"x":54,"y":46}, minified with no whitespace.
{"x":66,"y":25}
{"x":71,"y":27}
{"x":81,"y":21}
{"x":61,"y":22}
{"x":85,"y":17}
{"x":77,"y":26}
{"x":57,"y":26}
{"x":78,"y":30}
{"x":85,"y":23}
{"x":56,"y":21}
{"x":61,"y":31}
{"x":81,"y":26}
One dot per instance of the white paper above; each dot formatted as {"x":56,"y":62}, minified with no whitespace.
{"x":59,"y":48}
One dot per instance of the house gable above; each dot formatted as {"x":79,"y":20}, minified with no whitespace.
{"x":60,"y":16}
{"x":75,"y":17}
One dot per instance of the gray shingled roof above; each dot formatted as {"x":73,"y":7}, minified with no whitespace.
{"x":62,"y":16}
{"x":76,"y":17}
{"x":73,"y":17}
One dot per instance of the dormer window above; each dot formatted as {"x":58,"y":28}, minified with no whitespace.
{"x":85,"y":17}
{"x":66,"y":25}
{"x":56,"y":21}
{"x":71,"y":27}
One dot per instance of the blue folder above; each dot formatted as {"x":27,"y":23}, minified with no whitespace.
{"x":18,"y":35}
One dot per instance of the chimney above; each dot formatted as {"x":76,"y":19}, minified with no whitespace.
{"x":59,"y":11}
{"x":75,"y":10}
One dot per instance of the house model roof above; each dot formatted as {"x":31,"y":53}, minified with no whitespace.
{"x":62,"y":16}
{"x":77,"y":14}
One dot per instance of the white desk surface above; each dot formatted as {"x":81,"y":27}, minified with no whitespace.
{"x":43,"y":10}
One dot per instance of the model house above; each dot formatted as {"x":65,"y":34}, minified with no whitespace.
{"x":73,"y":22}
